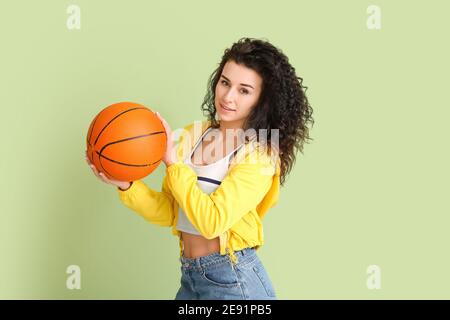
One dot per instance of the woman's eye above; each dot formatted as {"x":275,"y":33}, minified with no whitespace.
{"x":226,"y":83}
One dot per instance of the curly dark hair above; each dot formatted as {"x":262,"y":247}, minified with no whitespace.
{"x":282,"y":105}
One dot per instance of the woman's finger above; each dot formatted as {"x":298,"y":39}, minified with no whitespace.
{"x":166,"y":126}
{"x":104,"y":178}
{"x":94,"y":169}
{"x":95,"y":173}
{"x":100,"y":175}
{"x":164,"y":122}
{"x":111,"y":181}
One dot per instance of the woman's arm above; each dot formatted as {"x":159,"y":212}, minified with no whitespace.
{"x":241,"y":190}
{"x":155,"y":207}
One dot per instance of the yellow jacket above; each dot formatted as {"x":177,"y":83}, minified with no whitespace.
{"x":233,"y":212}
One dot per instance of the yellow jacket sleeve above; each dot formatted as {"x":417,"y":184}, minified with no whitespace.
{"x":240,"y":191}
{"x":156,"y":207}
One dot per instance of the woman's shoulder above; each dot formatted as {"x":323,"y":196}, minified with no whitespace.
{"x":258,"y":153}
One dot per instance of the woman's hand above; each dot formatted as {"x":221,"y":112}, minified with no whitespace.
{"x":168,"y":158}
{"x":121,"y":184}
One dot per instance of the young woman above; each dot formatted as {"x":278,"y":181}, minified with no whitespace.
{"x":225,"y":172}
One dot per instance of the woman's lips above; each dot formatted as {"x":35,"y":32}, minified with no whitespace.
{"x":226,"y":109}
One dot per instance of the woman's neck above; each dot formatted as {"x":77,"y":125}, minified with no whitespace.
{"x":234,"y":129}
{"x":230,"y":125}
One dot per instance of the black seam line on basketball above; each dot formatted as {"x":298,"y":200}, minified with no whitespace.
{"x":131,"y":138}
{"x":127,"y":164}
{"x":101,"y":164}
{"x":209,"y":180}
{"x":99,"y":134}
{"x":92,"y":130}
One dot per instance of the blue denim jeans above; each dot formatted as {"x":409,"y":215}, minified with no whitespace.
{"x":213,"y":277}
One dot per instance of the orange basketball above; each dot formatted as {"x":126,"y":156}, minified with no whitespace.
{"x":126,"y":141}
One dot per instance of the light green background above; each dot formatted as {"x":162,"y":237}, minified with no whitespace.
{"x":371,"y":189}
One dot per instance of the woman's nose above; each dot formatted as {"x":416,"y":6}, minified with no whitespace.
{"x":229,"y":96}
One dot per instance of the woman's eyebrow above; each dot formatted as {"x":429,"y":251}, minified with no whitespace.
{"x":242,"y":84}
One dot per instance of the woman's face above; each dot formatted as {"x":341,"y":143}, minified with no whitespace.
{"x":238,"y":89}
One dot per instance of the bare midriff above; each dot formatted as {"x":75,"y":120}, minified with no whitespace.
{"x":195,"y":246}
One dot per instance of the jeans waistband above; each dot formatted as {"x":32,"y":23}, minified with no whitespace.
{"x":216,"y":258}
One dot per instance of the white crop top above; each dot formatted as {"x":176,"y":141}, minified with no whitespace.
{"x":209,"y":178}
